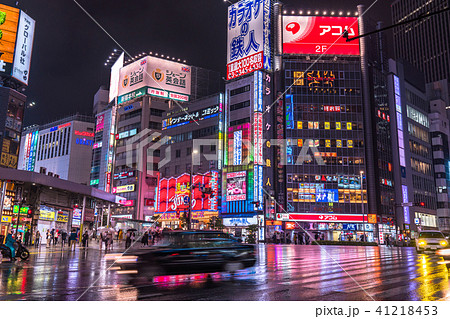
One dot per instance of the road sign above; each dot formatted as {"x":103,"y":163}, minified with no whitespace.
{"x":417,"y":221}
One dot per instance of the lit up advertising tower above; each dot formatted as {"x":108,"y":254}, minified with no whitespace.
{"x":248,"y":172}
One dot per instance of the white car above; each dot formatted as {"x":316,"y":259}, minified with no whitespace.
{"x":431,"y":240}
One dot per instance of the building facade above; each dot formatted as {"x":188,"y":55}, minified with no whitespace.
{"x":192,"y":144}
{"x":62,"y":148}
{"x":413,"y":156}
{"x":424,"y":43}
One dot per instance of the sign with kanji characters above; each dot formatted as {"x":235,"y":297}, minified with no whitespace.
{"x":315,"y":79}
{"x":334,"y":218}
{"x":319,"y":35}
{"x":327,"y":196}
{"x":24,"y":47}
{"x":248,"y":45}
{"x":160,"y":77}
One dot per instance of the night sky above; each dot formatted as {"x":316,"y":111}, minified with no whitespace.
{"x":69,"y":52}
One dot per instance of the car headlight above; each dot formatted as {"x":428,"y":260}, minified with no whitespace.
{"x":443,"y":243}
{"x":422,"y":242}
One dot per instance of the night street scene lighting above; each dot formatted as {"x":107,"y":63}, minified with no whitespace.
{"x":234,"y":150}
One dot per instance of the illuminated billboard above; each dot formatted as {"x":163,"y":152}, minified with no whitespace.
{"x":16,"y":43}
{"x":248,"y":48}
{"x":236,"y":186}
{"x":157,"y":77}
{"x":24,"y":47}
{"x":195,"y":116}
{"x":319,"y":35}
{"x":173,"y":194}
{"x":115,"y":78}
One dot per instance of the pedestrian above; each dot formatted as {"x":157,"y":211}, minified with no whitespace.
{"x":133,"y":236}
{"x":55,"y":241}
{"x":316,"y":237}
{"x":322,"y":237}
{"x":300,"y":238}
{"x":37,"y":238}
{"x":295,"y":238}
{"x":73,"y":239}
{"x":128,"y":240}
{"x":27,"y":238}
{"x":47,"y":238}
{"x":10,"y":244}
{"x":85,"y":239}
{"x":387,"y":240}
{"x":109,"y":238}
{"x":63,"y":238}
{"x":307,"y":239}
{"x":144,"y":239}
{"x":52,"y":236}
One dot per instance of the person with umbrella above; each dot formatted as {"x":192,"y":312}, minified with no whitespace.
{"x":128,"y":240}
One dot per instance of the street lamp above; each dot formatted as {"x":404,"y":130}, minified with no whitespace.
{"x":362,"y":205}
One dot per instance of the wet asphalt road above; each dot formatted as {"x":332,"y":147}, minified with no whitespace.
{"x":282,"y":272}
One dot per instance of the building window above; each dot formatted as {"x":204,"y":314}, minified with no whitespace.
{"x":178,"y":153}
{"x":240,"y":90}
{"x":189,"y":151}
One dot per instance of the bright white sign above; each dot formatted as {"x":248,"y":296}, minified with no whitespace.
{"x":248,"y":47}
{"x":24,"y":47}
{"x":240,"y":222}
{"x":163,"y":78}
{"x":115,"y":78}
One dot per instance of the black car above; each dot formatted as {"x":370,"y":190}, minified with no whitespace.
{"x":188,"y":252}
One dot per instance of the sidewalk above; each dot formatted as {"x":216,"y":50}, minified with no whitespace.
{"x":118,"y":247}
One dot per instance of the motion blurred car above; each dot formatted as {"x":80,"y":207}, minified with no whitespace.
{"x":431,"y":240}
{"x":188,"y":252}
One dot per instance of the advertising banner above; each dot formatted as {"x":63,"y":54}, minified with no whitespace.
{"x":240,"y":222}
{"x":237,"y":186}
{"x":248,"y":45}
{"x":319,"y":35}
{"x":24,"y":47}
{"x":123,"y":189}
{"x":333,"y":218}
{"x":171,"y":78}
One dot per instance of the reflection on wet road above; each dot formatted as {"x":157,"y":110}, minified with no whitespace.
{"x":282,"y":272}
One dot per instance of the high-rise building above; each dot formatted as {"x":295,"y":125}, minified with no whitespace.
{"x":414,"y":176}
{"x":62,"y":148}
{"x":424,"y":43}
{"x":100,"y":100}
{"x":325,"y":128}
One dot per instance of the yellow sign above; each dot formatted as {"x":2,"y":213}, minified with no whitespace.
{"x":124,"y":189}
{"x":6,"y":219}
{"x":372,"y":218}
{"x":9,"y":19}
{"x":8,"y":160}
{"x":46,"y":215}
{"x":62,"y":217}
{"x":5,"y":147}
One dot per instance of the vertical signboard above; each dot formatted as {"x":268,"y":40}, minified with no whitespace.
{"x":24,"y":47}
{"x":115,"y":78}
{"x":237,"y":147}
{"x":248,"y":45}
{"x":9,"y":20}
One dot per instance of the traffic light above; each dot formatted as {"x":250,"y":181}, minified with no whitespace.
{"x":422,"y":204}
{"x":30,"y":213}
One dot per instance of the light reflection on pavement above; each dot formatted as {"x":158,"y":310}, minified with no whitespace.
{"x":282,"y":272}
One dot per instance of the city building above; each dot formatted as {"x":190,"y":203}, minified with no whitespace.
{"x":325,"y":129}
{"x":100,"y":100}
{"x":192,"y":138}
{"x":62,"y":148}
{"x":423,"y":43}
{"x":147,"y":88}
{"x":440,"y":133}
{"x":414,"y":176}
{"x":12,"y":107}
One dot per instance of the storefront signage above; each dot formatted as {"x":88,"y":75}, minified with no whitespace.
{"x":62,"y":217}
{"x":240,"y":222}
{"x":6,"y":219}
{"x":191,"y":117}
{"x":372,"y":218}
{"x":47,"y":215}
{"x":123,"y":216}
{"x":123,"y":175}
{"x":335,"y":218}
{"x":123,"y":189}
{"x":76,"y":217}
{"x":126,"y":134}
{"x":81,"y":133}
{"x":273,"y":222}
{"x":173,"y":193}
{"x":327,"y":196}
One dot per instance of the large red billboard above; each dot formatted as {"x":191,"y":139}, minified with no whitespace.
{"x":173,"y":193}
{"x":319,"y":35}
